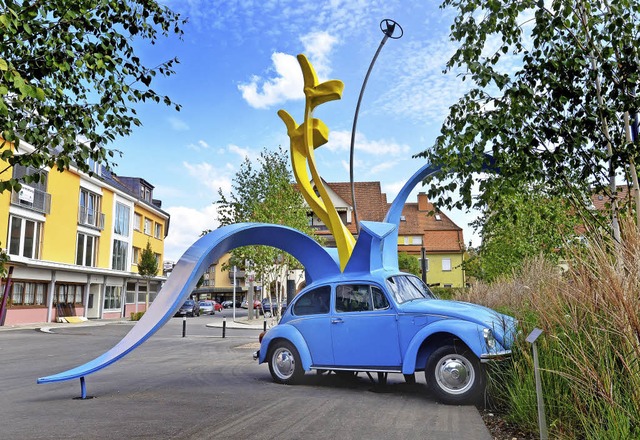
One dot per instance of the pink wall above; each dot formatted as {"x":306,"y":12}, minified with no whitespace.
{"x":131,"y":308}
{"x":29,"y":315}
{"x":111,"y":315}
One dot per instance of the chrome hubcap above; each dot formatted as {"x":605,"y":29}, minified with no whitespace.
{"x":455,"y":374}
{"x":283,"y":362}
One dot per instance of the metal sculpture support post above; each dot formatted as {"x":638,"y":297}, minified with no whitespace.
{"x":388,"y":27}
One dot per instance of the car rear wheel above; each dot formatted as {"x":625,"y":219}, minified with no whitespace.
{"x":454,"y":375}
{"x":284,"y":363}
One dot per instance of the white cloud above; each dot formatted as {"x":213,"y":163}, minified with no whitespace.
{"x":177,"y":124}
{"x":185,"y":227}
{"x":318,"y":46}
{"x":287,"y":83}
{"x":341,"y":140}
{"x":242,"y":152}
{"x":198,"y":146}
{"x":209,"y":176}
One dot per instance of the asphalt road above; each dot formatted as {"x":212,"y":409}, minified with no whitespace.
{"x":202,"y":387}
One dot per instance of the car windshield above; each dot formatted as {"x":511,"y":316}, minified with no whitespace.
{"x":407,"y":288}
{"x":188,"y":303}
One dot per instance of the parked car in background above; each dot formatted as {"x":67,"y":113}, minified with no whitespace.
{"x":206,"y":307}
{"x":229,"y":304}
{"x":388,"y":322}
{"x":256,"y":304}
{"x":217,"y":306}
{"x":189,"y":308}
{"x":270,"y":306}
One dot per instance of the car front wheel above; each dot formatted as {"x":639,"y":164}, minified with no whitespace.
{"x":454,"y":375}
{"x":284,"y":363}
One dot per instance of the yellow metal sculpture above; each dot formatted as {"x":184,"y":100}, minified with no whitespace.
{"x":304,"y":139}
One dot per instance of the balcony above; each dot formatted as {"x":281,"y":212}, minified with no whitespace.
{"x":91,"y":218}
{"x":33,"y":199}
{"x":240,"y":274}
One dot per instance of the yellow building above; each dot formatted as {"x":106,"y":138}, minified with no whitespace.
{"x":74,"y":243}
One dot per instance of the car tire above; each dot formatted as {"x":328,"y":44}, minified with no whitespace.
{"x":285,"y":365}
{"x":454,"y":374}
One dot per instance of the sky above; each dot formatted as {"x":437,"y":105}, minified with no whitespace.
{"x":238,"y":68}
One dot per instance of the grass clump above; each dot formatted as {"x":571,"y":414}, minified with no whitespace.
{"x":589,"y":354}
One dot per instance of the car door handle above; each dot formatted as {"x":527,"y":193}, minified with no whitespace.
{"x":336,"y":321}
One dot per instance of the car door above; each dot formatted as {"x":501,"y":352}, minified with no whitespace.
{"x":312,"y":319}
{"x":364,"y":329}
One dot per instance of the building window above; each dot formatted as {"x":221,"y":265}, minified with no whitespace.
{"x":135,"y":257}
{"x":145,"y":193}
{"x":121,"y":222}
{"x":131,"y":293}
{"x":119,"y":260}
{"x":89,"y":210}
{"x":446,"y":264}
{"x":158,"y":259}
{"x":28,"y":294}
{"x":158,"y":231}
{"x":86,"y":250}
{"x":24,"y":237}
{"x":148,"y":223}
{"x":112,"y":299}
{"x":416,"y":239}
{"x":69,"y":294}
{"x":34,"y":195}
{"x":137,"y":219}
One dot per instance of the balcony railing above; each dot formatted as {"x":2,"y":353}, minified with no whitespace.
{"x":240,"y":274}
{"x":32,"y":198}
{"x":91,"y":218}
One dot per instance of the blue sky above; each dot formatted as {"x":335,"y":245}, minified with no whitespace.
{"x":238,"y":68}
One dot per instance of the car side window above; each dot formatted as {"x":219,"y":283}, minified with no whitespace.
{"x":380,"y":301}
{"x":353,"y":298}
{"x":313,"y":302}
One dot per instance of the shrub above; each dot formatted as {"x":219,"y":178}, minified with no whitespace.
{"x":135,"y":316}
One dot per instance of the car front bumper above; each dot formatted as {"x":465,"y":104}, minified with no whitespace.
{"x":495,"y":356}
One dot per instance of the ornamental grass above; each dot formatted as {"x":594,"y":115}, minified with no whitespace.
{"x":589,"y":353}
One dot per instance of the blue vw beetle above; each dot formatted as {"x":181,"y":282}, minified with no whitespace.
{"x":387,"y":322}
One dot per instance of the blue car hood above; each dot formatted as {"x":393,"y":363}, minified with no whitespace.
{"x":499,"y":323}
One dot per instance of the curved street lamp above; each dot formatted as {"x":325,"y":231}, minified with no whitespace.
{"x":392,"y":30}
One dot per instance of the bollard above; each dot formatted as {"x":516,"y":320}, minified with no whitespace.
{"x":184,"y":326}
{"x":542,"y":422}
{"x":224,"y":326}
{"x":264,"y":326}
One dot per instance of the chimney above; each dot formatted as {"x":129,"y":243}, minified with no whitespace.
{"x":423,"y":202}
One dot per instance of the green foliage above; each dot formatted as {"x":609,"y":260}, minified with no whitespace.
{"x":148,"y":264}
{"x":557,"y":116}
{"x":409,"y":263}
{"x":263,"y":193}
{"x":518,"y":226}
{"x":4,"y":259}
{"x":135,"y":316}
{"x":69,"y":77}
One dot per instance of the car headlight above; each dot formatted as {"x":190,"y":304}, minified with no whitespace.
{"x":489,"y":339}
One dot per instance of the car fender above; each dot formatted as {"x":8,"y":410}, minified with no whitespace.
{"x":291,"y":334}
{"x":468,"y":332}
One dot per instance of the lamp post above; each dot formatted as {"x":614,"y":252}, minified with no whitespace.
{"x":388,"y":27}
{"x":234,"y":293}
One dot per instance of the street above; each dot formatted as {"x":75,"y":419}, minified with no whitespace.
{"x":202,"y":387}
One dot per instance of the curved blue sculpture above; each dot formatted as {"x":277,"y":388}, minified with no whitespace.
{"x":371,"y":259}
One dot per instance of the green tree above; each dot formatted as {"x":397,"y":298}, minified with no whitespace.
{"x":147,"y":267}
{"x":522,"y":226}
{"x":263,"y":192}
{"x":69,"y":78}
{"x":409,"y":263}
{"x":560,"y":118}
